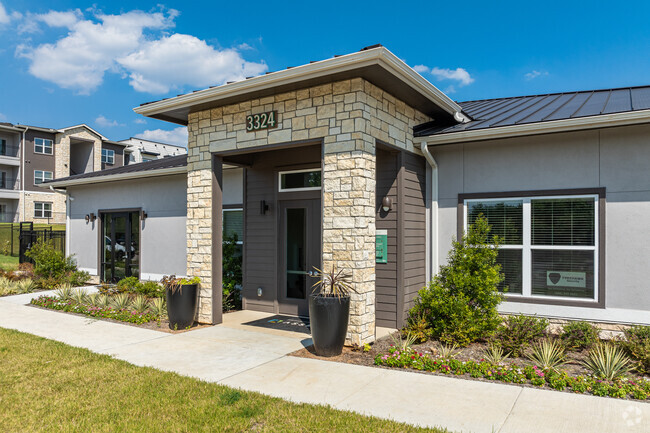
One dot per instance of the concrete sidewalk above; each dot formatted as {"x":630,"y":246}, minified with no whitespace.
{"x":255,"y":359}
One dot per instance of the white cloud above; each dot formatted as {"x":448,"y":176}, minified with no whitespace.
{"x":177,"y":136}
{"x":133,"y":45}
{"x":3,"y":118}
{"x":4,"y":16}
{"x":106,"y":123}
{"x":534,"y":74}
{"x":460,"y":75}
{"x":140,"y":121}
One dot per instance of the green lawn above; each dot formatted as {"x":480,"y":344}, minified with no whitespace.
{"x":50,"y":386}
{"x":8,"y":263}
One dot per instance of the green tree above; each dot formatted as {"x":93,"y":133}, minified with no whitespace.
{"x":460,"y":304}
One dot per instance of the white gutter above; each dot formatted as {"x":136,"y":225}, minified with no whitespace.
{"x":553,"y":126}
{"x":376,"y":56}
{"x":68,"y":205}
{"x":432,"y":216}
{"x":22,"y":171}
{"x":120,"y":176}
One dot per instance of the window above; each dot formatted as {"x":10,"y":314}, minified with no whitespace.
{"x":41,"y":176}
{"x":3,"y":146}
{"x":300,"y":180}
{"x":549,"y":244}
{"x":42,"y":209}
{"x":233,"y":223}
{"x":43,"y":145}
{"x":108,"y":156}
{"x":147,"y":159}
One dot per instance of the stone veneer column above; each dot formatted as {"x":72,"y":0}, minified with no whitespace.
{"x":349,"y":231}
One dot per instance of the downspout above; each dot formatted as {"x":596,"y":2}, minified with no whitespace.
{"x":22,"y":172}
{"x":432,"y":224}
{"x":68,"y":205}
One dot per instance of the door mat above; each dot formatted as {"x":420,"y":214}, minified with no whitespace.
{"x":283,"y":323}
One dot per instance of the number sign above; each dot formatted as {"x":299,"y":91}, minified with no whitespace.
{"x":257,"y":122}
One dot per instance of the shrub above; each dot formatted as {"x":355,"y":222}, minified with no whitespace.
{"x":232,"y":273}
{"x":516,"y":333}
{"x":127,"y":285}
{"x":77,"y":278}
{"x":637,"y":346}
{"x":150,"y":289}
{"x":49,"y":262}
{"x":579,"y":335}
{"x":418,"y":326}
{"x":460,"y":304}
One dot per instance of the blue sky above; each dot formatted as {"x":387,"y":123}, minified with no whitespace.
{"x":70,"y":62}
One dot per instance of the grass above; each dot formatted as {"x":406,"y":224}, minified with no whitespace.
{"x":9,"y":230}
{"x":8,"y":263}
{"x":50,"y":386}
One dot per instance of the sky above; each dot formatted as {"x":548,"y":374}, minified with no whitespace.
{"x":69,"y":62}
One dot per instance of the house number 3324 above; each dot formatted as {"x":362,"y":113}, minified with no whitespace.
{"x":257,"y":122}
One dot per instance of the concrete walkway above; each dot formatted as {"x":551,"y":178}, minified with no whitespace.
{"x":255,"y":359}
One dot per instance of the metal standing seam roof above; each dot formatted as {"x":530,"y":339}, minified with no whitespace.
{"x":142,"y":167}
{"x":520,"y":110}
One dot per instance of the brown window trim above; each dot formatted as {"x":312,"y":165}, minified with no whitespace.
{"x":601,"y":192}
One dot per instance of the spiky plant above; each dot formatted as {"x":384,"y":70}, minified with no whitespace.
{"x":64,"y":292}
{"x":104,"y":301}
{"x":446,"y":351}
{"x":121,"y":301}
{"x":93,"y":299}
{"x":140,"y":304}
{"x":80,"y":296}
{"x":548,"y":354}
{"x":158,"y":307}
{"x":25,"y":286}
{"x":494,"y":354}
{"x":403,"y":344}
{"x":334,"y":283}
{"x":607,"y":361}
{"x":6,"y":286}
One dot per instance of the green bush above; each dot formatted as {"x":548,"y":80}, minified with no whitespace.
{"x":150,"y":289}
{"x":637,"y":346}
{"x":232,"y":273}
{"x":49,"y":262}
{"x":127,"y":285}
{"x":460,"y":304}
{"x":579,"y":335}
{"x":516,"y":333}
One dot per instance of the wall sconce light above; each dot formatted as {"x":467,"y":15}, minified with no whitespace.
{"x":386,"y":204}
{"x":87,"y":218}
{"x":143,"y":215}
{"x":93,"y":217}
{"x":264,"y":207}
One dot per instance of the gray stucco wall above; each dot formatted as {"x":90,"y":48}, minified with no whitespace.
{"x":613,"y":158}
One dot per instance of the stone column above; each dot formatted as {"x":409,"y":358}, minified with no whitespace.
{"x":349,"y":229}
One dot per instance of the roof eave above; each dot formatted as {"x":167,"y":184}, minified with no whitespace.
{"x":116,"y":177}
{"x":548,"y":127}
{"x":380,"y":56}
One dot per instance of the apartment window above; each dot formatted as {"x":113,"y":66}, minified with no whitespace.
{"x":3,"y":146}
{"x":42,"y":209}
{"x":43,"y":145}
{"x":41,"y":176}
{"x":300,"y":180}
{"x":108,"y":156}
{"x":549,"y":244}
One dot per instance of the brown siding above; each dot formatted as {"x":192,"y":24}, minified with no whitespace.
{"x":260,"y":231}
{"x":37,"y":161}
{"x":119,"y":155}
{"x":414,"y":257}
{"x":386,"y":282}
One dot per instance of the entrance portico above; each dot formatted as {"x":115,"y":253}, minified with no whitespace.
{"x":331,"y":116}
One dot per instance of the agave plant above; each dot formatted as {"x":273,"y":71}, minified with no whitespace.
{"x":158,"y":308}
{"x":548,"y":354}
{"x":446,"y":351}
{"x":93,"y":299}
{"x":64,"y":292}
{"x":403,"y":344}
{"x":25,"y":286}
{"x":494,"y":354}
{"x":80,"y":296}
{"x":334,"y":283}
{"x":103,"y":301}
{"x":607,"y":361}
{"x":121,"y":301}
{"x":140,"y":304}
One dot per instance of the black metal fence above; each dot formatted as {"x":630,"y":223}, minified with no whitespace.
{"x":29,"y":236}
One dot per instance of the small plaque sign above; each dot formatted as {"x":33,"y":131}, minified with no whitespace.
{"x":258,"y":122}
{"x":566,"y":279}
{"x":381,"y":246}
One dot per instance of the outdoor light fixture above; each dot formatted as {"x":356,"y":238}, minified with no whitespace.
{"x":263,"y":207}
{"x":87,"y":218}
{"x":93,"y":217}
{"x":386,"y":204}
{"x":143,"y":215}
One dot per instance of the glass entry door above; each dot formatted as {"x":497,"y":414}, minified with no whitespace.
{"x":300,"y":251}
{"x":120,"y":245}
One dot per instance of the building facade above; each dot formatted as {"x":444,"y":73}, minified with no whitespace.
{"x":141,"y":150}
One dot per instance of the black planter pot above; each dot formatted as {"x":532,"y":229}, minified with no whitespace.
{"x":181,"y":306}
{"x":328,"y":320}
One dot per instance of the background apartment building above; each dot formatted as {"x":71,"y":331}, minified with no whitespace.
{"x":141,"y":150}
{"x":31,"y":155}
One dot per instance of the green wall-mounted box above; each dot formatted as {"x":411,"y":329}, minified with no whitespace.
{"x":381,"y":246}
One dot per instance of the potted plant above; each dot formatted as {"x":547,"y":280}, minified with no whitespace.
{"x":329,"y":311}
{"x":181,"y":296}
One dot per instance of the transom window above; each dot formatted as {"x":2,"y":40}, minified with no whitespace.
{"x":108,"y":156}
{"x":300,"y":180}
{"x":42,"y":209}
{"x":41,"y":176}
{"x":549,"y":244}
{"x":43,"y":145}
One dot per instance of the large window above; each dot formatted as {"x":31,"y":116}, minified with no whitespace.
{"x":41,"y":176}
{"x":549,"y":244}
{"x":42,"y":209}
{"x":108,"y":156}
{"x":43,"y":145}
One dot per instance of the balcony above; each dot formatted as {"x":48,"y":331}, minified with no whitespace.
{"x":9,"y":187}
{"x":9,"y":155}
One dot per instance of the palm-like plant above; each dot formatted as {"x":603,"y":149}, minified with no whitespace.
{"x":548,"y":354}
{"x":80,"y":296}
{"x":446,"y":351}
{"x":335,"y":284}
{"x":158,"y":308}
{"x":403,"y":344}
{"x":64,"y":292}
{"x":25,"y":286}
{"x":494,"y":354}
{"x":121,"y":301}
{"x":607,"y":361}
{"x":140,"y":304}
